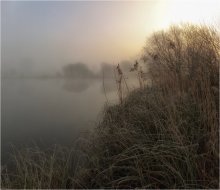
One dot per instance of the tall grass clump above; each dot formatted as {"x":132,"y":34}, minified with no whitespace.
{"x":37,"y":168}
{"x":165,"y":135}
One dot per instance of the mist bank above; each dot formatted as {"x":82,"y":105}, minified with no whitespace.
{"x":78,"y":70}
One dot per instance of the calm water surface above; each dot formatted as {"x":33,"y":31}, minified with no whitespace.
{"x":50,"y":110}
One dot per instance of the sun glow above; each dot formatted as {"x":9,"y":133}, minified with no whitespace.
{"x":194,"y":11}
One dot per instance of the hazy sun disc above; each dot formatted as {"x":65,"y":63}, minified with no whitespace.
{"x":193,"y":11}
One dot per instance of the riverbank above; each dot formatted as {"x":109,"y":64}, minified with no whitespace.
{"x":163,"y":135}
{"x":150,"y":141}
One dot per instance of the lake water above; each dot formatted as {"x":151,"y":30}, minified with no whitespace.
{"x":50,"y":111}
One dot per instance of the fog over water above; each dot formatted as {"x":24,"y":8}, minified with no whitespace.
{"x":39,"y":37}
{"x":55,"y":55}
{"x":50,"y":110}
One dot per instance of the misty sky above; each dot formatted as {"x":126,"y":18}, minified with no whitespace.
{"x":42,"y":36}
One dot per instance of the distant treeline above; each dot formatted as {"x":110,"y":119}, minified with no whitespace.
{"x":73,"y":70}
{"x":81,"y":70}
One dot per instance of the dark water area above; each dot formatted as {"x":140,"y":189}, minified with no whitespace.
{"x":50,"y":111}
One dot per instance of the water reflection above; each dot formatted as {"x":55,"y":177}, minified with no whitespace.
{"x":77,"y":86}
{"x":108,"y":86}
{"x":54,"y":110}
{"x":81,"y":85}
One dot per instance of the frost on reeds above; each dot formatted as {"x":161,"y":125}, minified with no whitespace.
{"x":140,"y":74}
{"x":167,"y":134}
{"x":120,"y":80}
{"x":163,"y":135}
{"x":119,"y":83}
{"x":122,"y":85}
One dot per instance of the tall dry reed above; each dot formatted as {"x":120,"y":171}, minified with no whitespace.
{"x":165,"y":135}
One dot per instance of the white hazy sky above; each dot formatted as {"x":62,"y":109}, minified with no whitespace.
{"x":44,"y":35}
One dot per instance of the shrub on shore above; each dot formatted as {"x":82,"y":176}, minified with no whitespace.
{"x":165,"y":135}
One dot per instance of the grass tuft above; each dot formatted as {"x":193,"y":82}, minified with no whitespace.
{"x":162,"y":135}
